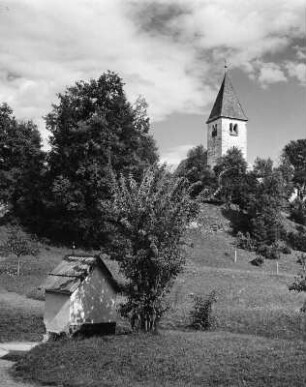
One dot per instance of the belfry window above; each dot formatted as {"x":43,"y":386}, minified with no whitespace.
{"x":233,"y":129}
{"x":214,"y":131}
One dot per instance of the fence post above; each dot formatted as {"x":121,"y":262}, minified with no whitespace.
{"x":235,"y":257}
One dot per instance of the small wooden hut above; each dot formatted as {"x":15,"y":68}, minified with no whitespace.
{"x":80,"y":295}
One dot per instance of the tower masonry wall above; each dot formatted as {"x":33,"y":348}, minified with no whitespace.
{"x":224,"y":134}
{"x":214,"y":144}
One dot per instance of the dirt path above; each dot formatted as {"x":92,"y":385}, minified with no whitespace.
{"x":20,"y":302}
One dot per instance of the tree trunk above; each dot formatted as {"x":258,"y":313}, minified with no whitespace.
{"x":18,"y":266}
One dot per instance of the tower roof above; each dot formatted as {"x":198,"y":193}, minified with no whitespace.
{"x":227,"y":103}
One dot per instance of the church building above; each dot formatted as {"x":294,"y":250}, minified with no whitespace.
{"x":226,"y":125}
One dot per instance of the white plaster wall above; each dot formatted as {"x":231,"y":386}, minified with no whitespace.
{"x":94,"y":301}
{"x":57,"y":312}
{"x":229,"y":141}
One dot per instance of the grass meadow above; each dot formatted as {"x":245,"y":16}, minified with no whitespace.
{"x":260,"y":339}
{"x":171,"y":358}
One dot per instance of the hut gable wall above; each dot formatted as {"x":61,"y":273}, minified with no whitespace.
{"x":93,"y":301}
{"x":57,"y":312}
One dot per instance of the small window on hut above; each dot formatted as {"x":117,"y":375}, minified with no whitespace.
{"x":214,"y":131}
{"x":233,"y":129}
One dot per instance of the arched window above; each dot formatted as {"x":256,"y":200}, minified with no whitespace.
{"x":214,"y":131}
{"x":233,"y":129}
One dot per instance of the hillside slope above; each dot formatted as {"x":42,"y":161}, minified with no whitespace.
{"x":250,"y":299}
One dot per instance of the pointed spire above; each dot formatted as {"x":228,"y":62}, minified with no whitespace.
{"x":227,"y":103}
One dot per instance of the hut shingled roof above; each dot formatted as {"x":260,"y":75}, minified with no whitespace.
{"x":73,"y":269}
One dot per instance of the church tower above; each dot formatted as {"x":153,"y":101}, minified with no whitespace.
{"x":226,"y":125}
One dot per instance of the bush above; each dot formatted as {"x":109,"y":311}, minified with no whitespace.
{"x":286,"y":250}
{"x":202,"y":313}
{"x":302,"y":261}
{"x":269,"y":252}
{"x":297,"y":240}
{"x":244,"y":241}
{"x":258,"y":261}
{"x":299,"y":283}
{"x":298,"y":211}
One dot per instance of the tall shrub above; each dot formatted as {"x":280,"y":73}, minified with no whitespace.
{"x":151,"y":220}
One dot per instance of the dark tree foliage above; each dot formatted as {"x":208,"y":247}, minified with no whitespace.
{"x":21,"y":166}
{"x":95,"y":130}
{"x":262,"y":167}
{"x":231,"y":171}
{"x":295,"y":153}
{"x":294,"y":165}
{"x":298,"y":211}
{"x":297,"y":240}
{"x":195,"y":169}
{"x":262,"y":201}
{"x":286,"y":170}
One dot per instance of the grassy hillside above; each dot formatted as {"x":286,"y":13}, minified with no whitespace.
{"x":250,"y":299}
{"x":260,"y":339}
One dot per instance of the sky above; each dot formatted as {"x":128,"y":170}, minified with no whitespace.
{"x":171,"y":52}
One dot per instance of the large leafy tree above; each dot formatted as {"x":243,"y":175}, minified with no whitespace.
{"x":195,"y":169}
{"x":21,"y":165}
{"x":151,"y":218}
{"x":95,"y":130}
